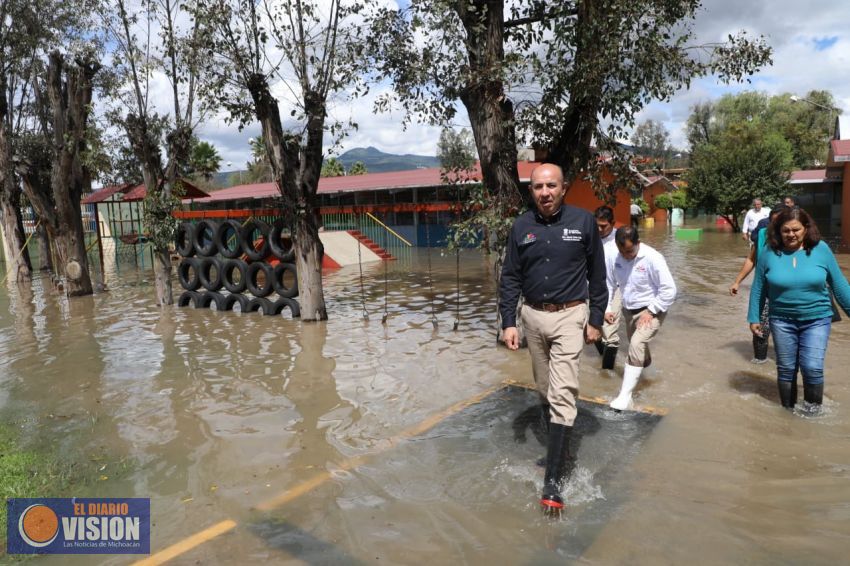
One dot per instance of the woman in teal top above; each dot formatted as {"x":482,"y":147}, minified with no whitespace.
{"x":793,"y":274}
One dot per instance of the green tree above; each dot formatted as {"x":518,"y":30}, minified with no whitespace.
{"x":652,"y":140}
{"x":743,"y":162}
{"x":579,"y":61}
{"x":357,"y":168}
{"x":204,"y":160}
{"x":332,"y":167}
{"x":313,"y":49}
{"x":456,"y":150}
{"x":137,"y":55}
{"x":806,"y":124}
{"x":259,"y":168}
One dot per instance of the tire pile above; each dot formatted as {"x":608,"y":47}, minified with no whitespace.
{"x":238,"y":258}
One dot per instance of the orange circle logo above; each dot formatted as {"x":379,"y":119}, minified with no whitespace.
{"x":38,"y":525}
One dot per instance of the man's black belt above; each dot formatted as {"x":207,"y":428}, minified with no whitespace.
{"x":637,"y":310}
{"x":554,"y":307}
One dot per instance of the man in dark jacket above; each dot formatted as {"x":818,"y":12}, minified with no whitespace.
{"x":555,"y":261}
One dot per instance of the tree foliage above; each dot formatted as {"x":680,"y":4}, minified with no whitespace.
{"x":742,"y":162}
{"x":332,"y":167}
{"x":357,"y":168}
{"x":806,"y":124}
{"x":204,"y":160}
{"x":456,"y":150}
{"x":652,"y":140}
{"x":673,"y":199}
{"x":549,"y":74}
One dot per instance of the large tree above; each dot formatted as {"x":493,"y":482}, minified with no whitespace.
{"x":807,"y":121}
{"x":138,"y":57}
{"x":744,"y":161}
{"x":307,"y":50}
{"x":550,"y":72}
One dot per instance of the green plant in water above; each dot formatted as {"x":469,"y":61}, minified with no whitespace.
{"x":160,"y":224}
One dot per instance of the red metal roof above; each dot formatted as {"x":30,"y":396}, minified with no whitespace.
{"x":808,"y":176}
{"x":106,"y":192}
{"x":427,"y":177}
{"x":139,"y":192}
{"x":841,"y":149}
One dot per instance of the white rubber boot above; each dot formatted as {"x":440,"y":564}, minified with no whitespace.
{"x":631,"y":376}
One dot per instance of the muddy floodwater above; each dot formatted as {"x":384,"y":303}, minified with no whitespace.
{"x":268,"y":440}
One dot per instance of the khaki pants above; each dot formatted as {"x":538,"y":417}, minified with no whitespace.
{"x":639,"y":354}
{"x":611,"y":331}
{"x":555,"y":341}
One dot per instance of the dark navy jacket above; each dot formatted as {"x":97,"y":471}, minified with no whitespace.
{"x":554,"y":261}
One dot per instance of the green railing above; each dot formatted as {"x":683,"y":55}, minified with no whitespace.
{"x":371,"y":227}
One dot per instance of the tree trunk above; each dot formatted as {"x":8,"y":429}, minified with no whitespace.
{"x":571,"y":147}
{"x":70,"y":102}
{"x":297,"y":186}
{"x":18,"y":264}
{"x":44,"y":248}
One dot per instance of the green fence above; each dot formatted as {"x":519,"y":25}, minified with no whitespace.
{"x":372,"y":228}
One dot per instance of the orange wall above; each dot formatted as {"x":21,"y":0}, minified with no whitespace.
{"x":649,"y":194}
{"x":580,"y":194}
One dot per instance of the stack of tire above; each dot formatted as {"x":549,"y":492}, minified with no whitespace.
{"x":254,"y":257}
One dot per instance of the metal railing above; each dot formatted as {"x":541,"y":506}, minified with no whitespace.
{"x":371,"y":227}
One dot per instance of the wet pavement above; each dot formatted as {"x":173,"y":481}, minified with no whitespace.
{"x":351,"y":442}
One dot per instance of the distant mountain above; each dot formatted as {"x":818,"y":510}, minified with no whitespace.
{"x":376,"y":161}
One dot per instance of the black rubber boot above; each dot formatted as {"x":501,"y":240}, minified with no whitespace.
{"x":600,"y":347}
{"x":556,"y":465}
{"x":788,"y":393}
{"x":759,"y":349}
{"x":609,"y":357}
{"x":813,"y":393}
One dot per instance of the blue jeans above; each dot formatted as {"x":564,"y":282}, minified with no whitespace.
{"x":800,"y":344}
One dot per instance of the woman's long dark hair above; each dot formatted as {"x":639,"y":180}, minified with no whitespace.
{"x":810,"y":240}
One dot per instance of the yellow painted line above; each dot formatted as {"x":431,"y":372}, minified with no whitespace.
{"x":187,"y":544}
{"x":285,"y":497}
{"x":598,"y":400}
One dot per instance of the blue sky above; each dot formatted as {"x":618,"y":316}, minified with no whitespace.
{"x":811,"y":43}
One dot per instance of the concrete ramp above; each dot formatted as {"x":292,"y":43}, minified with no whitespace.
{"x":341,"y":248}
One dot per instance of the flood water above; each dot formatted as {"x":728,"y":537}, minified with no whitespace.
{"x":350,"y":442}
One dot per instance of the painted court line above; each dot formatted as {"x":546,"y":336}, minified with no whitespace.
{"x":208,"y":534}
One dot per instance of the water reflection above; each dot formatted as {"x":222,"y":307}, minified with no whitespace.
{"x":213,"y":413}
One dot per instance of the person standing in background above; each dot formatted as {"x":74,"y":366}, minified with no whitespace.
{"x":756,"y":213}
{"x":610,"y":342}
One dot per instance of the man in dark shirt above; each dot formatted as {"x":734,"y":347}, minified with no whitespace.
{"x":555,"y":260}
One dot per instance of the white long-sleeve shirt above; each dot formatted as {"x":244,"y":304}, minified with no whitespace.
{"x":644,"y":281}
{"x":752,"y":218}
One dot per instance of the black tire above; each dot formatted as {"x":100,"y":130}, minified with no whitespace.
{"x":278,"y":276}
{"x":207,"y":300}
{"x":254,"y":270}
{"x":291,"y":304}
{"x":280,"y":244}
{"x":256,"y":250}
{"x":189,"y":265}
{"x":188,"y":297}
{"x":184,"y":239}
{"x":204,"y":238}
{"x":227,"y":279}
{"x":229,"y":231}
{"x":233,"y":299}
{"x":259,"y":304}
{"x":208,"y":280}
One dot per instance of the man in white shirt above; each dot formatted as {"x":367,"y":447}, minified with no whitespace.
{"x":642,"y":276}
{"x":610,"y":342}
{"x":756,"y":213}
